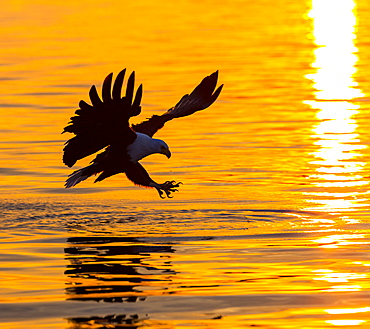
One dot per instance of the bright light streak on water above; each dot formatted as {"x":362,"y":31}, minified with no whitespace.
{"x":339,"y":145}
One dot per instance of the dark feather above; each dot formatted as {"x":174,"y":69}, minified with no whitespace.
{"x":111,"y":162}
{"x":106,"y":89}
{"x":80,"y":147}
{"x":130,"y":88}
{"x":137,"y":174}
{"x":94,"y":97}
{"x":138,"y":96}
{"x":104,"y":122}
{"x":117,"y":87}
{"x":200,"y":98}
{"x":153,"y":124}
{"x":108,"y":163}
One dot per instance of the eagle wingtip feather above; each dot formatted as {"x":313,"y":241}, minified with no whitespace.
{"x":117,"y":86}
{"x":106,"y":88}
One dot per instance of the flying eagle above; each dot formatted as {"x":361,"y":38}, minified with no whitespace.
{"x":105,"y":124}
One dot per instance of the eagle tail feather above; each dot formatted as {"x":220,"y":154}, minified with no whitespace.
{"x":80,"y":175}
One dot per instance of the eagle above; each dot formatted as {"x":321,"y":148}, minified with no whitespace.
{"x":105,"y":125}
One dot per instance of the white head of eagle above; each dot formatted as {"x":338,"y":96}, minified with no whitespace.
{"x":144,"y":145}
{"x":105,"y":125}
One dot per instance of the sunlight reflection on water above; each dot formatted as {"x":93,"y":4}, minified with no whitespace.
{"x":340,"y":147}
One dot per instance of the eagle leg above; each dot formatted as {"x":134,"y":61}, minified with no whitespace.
{"x":167,"y":187}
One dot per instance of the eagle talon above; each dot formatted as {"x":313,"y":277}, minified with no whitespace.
{"x":167,"y":187}
{"x":160,"y":193}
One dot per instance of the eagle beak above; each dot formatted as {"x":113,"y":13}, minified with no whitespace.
{"x":167,"y":153}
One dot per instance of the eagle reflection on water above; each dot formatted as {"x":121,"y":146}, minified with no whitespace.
{"x":117,"y":321}
{"x":114,"y":270}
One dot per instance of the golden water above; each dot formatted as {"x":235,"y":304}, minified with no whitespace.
{"x":271,"y":226}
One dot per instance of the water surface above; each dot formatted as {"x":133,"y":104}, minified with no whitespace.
{"x":271,"y":226}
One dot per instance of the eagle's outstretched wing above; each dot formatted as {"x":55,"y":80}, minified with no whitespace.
{"x":199,"y":99}
{"x":105,"y":122}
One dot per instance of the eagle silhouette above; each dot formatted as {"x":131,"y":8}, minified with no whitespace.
{"x":105,"y":125}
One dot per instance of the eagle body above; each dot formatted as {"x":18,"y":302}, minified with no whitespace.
{"x":105,"y":125}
